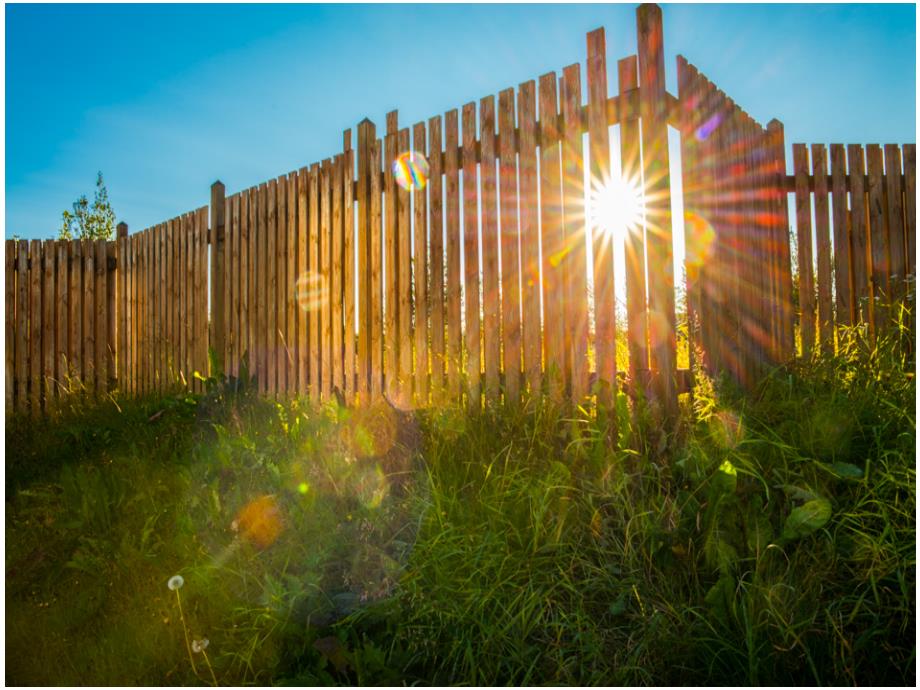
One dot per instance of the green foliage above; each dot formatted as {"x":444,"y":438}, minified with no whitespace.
{"x":89,"y":222}
{"x":773,"y":544}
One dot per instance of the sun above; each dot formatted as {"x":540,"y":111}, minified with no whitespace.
{"x":616,"y":206}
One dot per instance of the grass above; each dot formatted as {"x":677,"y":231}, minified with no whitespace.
{"x":770,"y":541}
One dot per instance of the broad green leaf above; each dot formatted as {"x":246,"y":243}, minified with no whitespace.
{"x":807,"y":518}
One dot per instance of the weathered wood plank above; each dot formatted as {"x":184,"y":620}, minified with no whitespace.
{"x":895,"y":220}
{"x":553,"y":247}
{"x":605,"y":344}
{"x":436,"y":231}
{"x":62,"y":305}
{"x":303,"y":316}
{"x":362,"y":242}
{"x":110,"y":315}
{"x":510,"y":251}
{"x":823,"y":246}
{"x":404,"y":285}
{"x":471,"y":310}
{"x":807,"y":328}
{"x":314,"y":281}
{"x":280,"y":294}
{"x":391,"y":341}
{"x":349,"y":274}
{"x":271,"y":288}
{"x":575,"y":260}
{"x":48,"y":311}
{"x":290,"y":295}
{"x":910,"y":208}
{"x":325,"y":248}
{"x":859,"y":236}
{"x":491,"y":296}
{"x":777,"y":141}
{"x":842,"y":271}
{"x":101,"y":318}
{"x":653,"y":105}
{"x":634,"y":240}
{"x":530,"y":237}
{"x":376,"y":260}
{"x":247,"y":279}
{"x":35,"y":325}
{"x":337,"y":267}
{"x":23,"y":349}
{"x":420,"y":275}
{"x":75,"y":319}
{"x":10,"y":322}
{"x":878,"y":239}
{"x":201,"y":295}
{"x":454,"y":279}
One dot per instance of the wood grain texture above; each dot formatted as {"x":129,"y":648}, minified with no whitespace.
{"x":325,"y":249}
{"x":35,"y":325}
{"x":10,"y":322}
{"x":290,"y":285}
{"x":512,"y":348}
{"x":302,"y":273}
{"x":337,"y":266}
{"x":271,"y":288}
{"x":878,"y":238}
{"x":376,"y":259}
{"x":634,"y":241}
{"x":491,"y":296}
{"x":453,"y":232}
{"x":420,"y":275}
{"x":656,"y":164}
{"x":807,"y":327}
{"x":530,"y":237}
{"x":314,"y":281}
{"x":471,"y":307}
{"x":843,"y":282}
{"x":62,"y":248}
{"x":895,"y":221}
{"x":910,"y":209}
{"x":391,"y":340}
{"x":48,"y":313}
{"x":100,"y":318}
{"x":605,"y":352}
{"x":859,"y":235}
{"x":362,"y":242}
{"x":436,"y":233}
{"x":823,"y":247}
{"x":552,"y":239}
{"x":75,"y":288}
{"x":23,"y":350}
{"x":575,"y":259}
{"x":404,"y":285}
{"x":349,"y":273}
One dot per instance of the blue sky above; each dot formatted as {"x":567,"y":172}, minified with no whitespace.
{"x":166,"y":99}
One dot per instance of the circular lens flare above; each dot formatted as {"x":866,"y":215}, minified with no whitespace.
{"x":616,"y":206}
{"x":410,"y":169}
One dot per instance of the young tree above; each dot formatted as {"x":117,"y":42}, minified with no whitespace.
{"x":96,"y":222}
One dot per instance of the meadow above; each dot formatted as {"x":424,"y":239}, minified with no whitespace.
{"x":771,"y":540}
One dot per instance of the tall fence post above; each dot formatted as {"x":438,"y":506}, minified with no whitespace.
{"x":217,"y":331}
{"x":119,"y":313}
{"x":367,"y":133}
{"x":784,"y":255}
{"x":653,"y":110}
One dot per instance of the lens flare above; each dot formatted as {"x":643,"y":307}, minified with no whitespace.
{"x":616,"y":206}
{"x":410,"y":170}
{"x":260,"y":521}
{"x":312,"y":291}
{"x":700,"y":241}
{"x":371,"y":430}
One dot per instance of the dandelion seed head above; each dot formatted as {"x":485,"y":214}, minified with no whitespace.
{"x":199,"y":646}
{"x":175,"y":582}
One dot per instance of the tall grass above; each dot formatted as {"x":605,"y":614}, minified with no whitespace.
{"x":770,"y":541}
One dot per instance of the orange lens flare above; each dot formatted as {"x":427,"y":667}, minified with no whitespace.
{"x":260,"y":521}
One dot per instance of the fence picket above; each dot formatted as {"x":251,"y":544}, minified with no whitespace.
{"x":420,"y":275}
{"x":510,"y":251}
{"x":823,"y":245}
{"x":530,"y":236}
{"x":895,"y":220}
{"x":878,"y":238}
{"x":858,"y":233}
{"x":471,"y":311}
{"x":454,"y":280}
{"x":804,"y":247}
{"x":491,"y":297}
{"x":436,"y":232}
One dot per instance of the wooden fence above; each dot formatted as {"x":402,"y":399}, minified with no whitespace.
{"x":492,"y":280}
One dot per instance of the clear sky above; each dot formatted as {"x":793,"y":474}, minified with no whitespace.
{"x":166,"y":99}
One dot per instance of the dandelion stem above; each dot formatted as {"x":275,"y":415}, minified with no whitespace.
{"x":188,"y":646}
{"x":210,"y":668}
